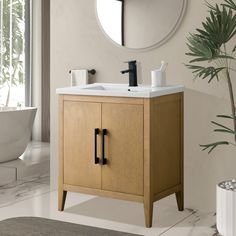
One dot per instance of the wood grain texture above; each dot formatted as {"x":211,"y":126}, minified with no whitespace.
{"x":163,"y":151}
{"x":124,"y":148}
{"x":61,"y":192}
{"x":104,"y":193}
{"x":148,"y":165}
{"x":180,"y":200}
{"x":180,"y":194}
{"x":166,"y":136}
{"x":144,"y":148}
{"x":167,"y":192}
{"x":99,"y":99}
{"x":61,"y":200}
{"x":80,"y":121}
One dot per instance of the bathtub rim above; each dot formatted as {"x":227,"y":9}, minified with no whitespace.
{"x":17,"y":109}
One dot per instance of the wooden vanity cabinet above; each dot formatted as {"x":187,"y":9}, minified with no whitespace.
{"x":124,"y":148}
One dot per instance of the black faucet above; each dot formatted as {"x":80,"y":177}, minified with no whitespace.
{"x":132,"y":73}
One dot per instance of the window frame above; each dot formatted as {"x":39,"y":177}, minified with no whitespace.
{"x":28,"y":53}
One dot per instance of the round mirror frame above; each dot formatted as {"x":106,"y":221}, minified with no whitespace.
{"x":156,"y":45}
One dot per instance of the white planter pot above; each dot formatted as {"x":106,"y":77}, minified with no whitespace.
{"x":226,"y":211}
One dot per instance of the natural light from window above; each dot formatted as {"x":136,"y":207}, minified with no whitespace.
{"x":12,"y":53}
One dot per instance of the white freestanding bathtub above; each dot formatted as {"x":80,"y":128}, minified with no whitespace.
{"x":15,"y":131}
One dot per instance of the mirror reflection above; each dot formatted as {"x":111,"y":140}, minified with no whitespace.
{"x":139,"y":24}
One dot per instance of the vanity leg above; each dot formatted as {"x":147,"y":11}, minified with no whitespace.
{"x":61,"y":200}
{"x":148,"y":211}
{"x":180,"y":200}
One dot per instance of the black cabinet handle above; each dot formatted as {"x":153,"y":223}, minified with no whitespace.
{"x":96,"y":133}
{"x":104,"y":160}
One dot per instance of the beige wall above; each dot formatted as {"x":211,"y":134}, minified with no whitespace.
{"x":77,"y":42}
{"x":142,"y":31}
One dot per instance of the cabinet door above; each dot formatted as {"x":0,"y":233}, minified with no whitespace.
{"x":80,"y":121}
{"x":123,"y":148}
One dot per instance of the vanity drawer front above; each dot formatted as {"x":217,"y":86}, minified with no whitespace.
{"x":80,"y":121}
{"x":123,"y":148}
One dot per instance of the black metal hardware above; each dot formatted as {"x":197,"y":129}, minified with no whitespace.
{"x":131,"y":62}
{"x":122,"y":22}
{"x":133,"y":81}
{"x":92,"y":72}
{"x":104,"y":160}
{"x":96,"y":159}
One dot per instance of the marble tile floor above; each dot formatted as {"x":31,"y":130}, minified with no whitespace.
{"x":27,"y":176}
{"x":24,"y":189}
{"x":104,"y":212}
{"x":34,"y":162}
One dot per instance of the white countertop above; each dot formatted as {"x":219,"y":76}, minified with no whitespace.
{"x":120,"y":90}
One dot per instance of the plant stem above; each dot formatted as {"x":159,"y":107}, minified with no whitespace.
{"x":231,"y":94}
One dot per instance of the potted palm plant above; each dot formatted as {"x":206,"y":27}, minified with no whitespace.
{"x":211,"y":52}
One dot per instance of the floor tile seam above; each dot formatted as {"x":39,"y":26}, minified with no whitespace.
{"x":180,"y":221}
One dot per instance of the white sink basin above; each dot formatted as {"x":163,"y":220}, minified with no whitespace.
{"x":115,"y":88}
{"x":121,"y":90}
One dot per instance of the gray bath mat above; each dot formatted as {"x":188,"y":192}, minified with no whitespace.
{"x":32,"y":226}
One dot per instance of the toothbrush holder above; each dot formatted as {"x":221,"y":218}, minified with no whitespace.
{"x":158,"y":78}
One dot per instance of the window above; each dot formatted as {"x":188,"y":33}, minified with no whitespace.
{"x":13,"y":52}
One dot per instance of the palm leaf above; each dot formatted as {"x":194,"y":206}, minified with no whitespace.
{"x":206,"y":72}
{"x":203,"y":49}
{"x":222,"y":126}
{"x":217,"y":30}
{"x":206,"y":45}
{"x":212,"y":146}
{"x":225,"y":131}
{"x":211,"y":7}
{"x":221,"y":25}
{"x":234,"y":49}
{"x":230,"y":4}
{"x":227,"y":117}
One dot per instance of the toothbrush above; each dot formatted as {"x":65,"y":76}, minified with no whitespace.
{"x":163,"y":66}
